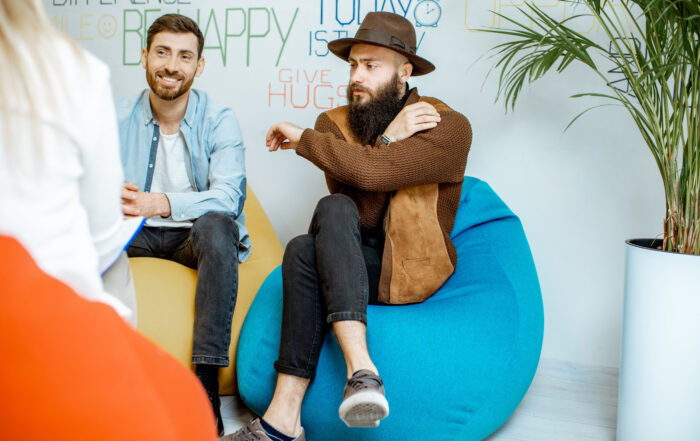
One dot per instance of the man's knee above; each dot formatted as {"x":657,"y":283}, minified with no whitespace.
{"x":337,"y":205}
{"x":216,"y":230}
{"x":301,"y":249}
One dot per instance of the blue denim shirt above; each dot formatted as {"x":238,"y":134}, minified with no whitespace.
{"x":217,"y":157}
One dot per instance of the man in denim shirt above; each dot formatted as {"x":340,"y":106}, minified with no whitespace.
{"x":183,"y":159}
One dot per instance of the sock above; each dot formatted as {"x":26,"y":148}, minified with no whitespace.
{"x":274,"y":434}
{"x":209,"y":377}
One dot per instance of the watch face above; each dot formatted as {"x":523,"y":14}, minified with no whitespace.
{"x":427,"y":13}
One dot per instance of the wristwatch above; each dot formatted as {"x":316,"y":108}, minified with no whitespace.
{"x":385,"y":139}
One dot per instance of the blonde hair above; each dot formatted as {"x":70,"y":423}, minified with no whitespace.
{"x":27,"y":43}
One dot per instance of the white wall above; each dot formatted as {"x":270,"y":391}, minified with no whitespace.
{"x":580,"y":194}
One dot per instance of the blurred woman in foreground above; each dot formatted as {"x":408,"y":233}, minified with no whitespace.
{"x":60,"y":172}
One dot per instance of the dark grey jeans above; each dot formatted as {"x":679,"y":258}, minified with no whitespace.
{"x":211,"y":247}
{"x":328,"y":275}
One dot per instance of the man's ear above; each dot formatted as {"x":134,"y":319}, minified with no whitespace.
{"x":144,"y":56}
{"x":200,"y":66}
{"x":405,"y":71}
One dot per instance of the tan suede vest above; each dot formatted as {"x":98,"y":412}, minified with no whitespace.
{"x":415,"y":261}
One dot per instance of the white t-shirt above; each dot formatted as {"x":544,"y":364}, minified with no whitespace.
{"x":62,"y":201}
{"x":170,"y":175}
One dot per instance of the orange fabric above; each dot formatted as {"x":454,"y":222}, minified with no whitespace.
{"x":72,"y":369}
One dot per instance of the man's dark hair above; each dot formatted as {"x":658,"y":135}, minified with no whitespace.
{"x":178,"y":24}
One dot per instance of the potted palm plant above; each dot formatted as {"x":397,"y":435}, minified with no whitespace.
{"x":655,"y":45}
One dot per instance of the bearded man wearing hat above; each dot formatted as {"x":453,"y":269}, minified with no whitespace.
{"x":394,"y":164}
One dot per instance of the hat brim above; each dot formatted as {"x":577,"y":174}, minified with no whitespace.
{"x":341,"y":48}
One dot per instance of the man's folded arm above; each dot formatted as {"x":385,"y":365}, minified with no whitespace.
{"x":433,"y":156}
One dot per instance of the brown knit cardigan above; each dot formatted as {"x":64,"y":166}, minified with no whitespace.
{"x":370,"y":174}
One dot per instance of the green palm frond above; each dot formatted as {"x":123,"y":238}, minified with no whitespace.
{"x":655,"y":46}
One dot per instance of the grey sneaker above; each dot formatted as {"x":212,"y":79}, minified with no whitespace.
{"x":254,"y":432}
{"x":363,"y":403}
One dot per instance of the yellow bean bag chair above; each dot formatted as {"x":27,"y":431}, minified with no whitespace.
{"x":165,"y":293}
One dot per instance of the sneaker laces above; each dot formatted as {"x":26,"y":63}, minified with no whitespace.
{"x":365,"y":380}
{"x":244,"y":434}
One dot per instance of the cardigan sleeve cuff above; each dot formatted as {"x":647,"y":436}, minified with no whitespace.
{"x":305,"y":145}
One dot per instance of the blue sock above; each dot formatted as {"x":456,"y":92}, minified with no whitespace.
{"x":274,"y":434}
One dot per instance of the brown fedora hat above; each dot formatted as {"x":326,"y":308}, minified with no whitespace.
{"x":387,"y":30}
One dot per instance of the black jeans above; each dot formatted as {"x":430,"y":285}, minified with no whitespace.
{"x":328,"y":275}
{"x":211,"y":247}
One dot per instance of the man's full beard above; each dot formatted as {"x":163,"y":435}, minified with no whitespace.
{"x":165,"y":93}
{"x":370,"y":119}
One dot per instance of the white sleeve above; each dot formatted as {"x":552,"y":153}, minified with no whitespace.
{"x":100,"y":185}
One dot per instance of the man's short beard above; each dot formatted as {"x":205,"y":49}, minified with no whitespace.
{"x":370,"y":119}
{"x":168,"y":94}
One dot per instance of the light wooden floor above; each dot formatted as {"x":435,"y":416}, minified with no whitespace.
{"x":234,"y":413}
{"x":566,"y":402}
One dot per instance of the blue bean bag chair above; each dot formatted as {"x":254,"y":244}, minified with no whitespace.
{"x":454,"y":367}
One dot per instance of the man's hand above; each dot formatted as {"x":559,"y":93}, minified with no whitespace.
{"x":138,"y":203}
{"x":285,"y":135}
{"x":412,"y":119}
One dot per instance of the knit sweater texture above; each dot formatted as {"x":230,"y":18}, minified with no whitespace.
{"x":369,"y":174}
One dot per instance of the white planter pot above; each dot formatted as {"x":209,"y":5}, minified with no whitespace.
{"x":659,"y":396}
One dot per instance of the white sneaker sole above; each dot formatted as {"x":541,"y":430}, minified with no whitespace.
{"x":364,"y":409}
